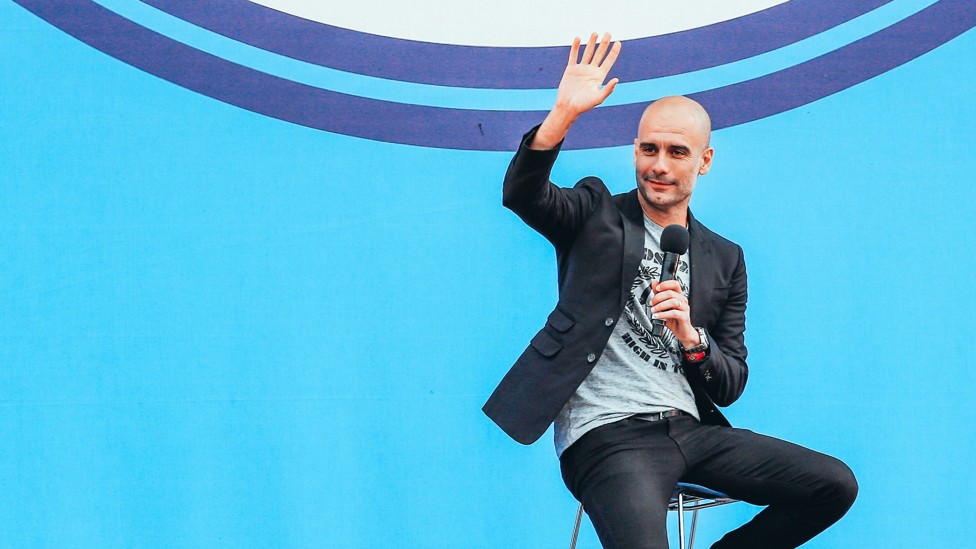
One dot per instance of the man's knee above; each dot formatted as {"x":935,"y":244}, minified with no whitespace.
{"x":840,"y":487}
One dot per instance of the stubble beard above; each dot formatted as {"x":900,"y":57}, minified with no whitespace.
{"x":660,"y":202}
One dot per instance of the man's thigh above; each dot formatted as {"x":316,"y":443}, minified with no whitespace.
{"x":624,"y":474}
{"x":751,"y":467}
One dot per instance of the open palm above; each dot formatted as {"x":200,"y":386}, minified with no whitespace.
{"x":581,"y":87}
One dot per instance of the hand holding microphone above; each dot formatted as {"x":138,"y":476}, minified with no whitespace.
{"x":669,"y":303}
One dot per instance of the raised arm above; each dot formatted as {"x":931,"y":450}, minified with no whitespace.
{"x":553,"y":211}
{"x":580,"y":89}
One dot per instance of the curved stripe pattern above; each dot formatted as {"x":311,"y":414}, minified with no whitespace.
{"x":504,"y":99}
{"x":492,"y":130}
{"x":512,"y":68}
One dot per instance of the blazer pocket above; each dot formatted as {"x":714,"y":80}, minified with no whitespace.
{"x":560,"y":321}
{"x":721,"y":293}
{"x":545,"y":344}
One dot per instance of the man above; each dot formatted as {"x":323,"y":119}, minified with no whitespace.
{"x":634,"y":413}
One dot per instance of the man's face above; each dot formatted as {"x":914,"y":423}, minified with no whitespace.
{"x":670,"y":152}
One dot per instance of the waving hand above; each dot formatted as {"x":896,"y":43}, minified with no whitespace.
{"x":580,"y":89}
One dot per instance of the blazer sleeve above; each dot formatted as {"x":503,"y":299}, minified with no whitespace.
{"x":724,"y":373}
{"x":555,"y":212}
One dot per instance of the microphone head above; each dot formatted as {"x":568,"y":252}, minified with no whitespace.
{"x":675,"y":239}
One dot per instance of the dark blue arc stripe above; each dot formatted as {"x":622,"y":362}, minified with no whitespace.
{"x":490,"y":130}
{"x":509,"y":67}
{"x":800,"y":84}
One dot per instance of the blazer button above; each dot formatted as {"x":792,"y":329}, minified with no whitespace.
{"x":590,"y":357}
{"x":608,"y":322}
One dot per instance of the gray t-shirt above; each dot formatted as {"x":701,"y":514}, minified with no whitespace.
{"x":637,"y":373}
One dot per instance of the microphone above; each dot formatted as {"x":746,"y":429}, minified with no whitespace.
{"x":674,"y":243}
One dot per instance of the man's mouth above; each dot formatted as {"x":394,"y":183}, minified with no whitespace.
{"x":658,"y":182}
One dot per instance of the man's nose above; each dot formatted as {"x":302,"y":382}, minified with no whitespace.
{"x":660,"y":164}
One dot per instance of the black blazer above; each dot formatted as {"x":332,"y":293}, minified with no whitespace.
{"x":599,"y":241}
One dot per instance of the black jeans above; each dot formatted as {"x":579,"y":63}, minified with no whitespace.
{"x":624,"y":474}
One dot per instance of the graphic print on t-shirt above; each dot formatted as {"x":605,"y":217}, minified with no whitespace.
{"x":661,"y":352}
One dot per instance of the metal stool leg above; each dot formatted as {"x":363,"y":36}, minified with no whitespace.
{"x":579,"y":517}
{"x":681,"y":520}
{"x":698,"y":497}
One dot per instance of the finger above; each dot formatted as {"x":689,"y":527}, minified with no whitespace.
{"x":670,"y":302}
{"x":664,"y":290}
{"x":574,"y":51}
{"x":590,"y":48}
{"x":611,"y":57}
{"x":669,"y":285}
{"x":672,"y":315}
{"x":601,"y":51}
{"x":663,"y":296}
{"x":608,"y":89}
{"x":664,"y":299}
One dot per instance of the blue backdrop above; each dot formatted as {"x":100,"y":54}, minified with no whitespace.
{"x":222,"y":328}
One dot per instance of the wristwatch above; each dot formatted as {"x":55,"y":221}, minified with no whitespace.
{"x":699,"y":351}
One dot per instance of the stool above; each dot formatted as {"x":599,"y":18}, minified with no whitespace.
{"x":686,"y":497}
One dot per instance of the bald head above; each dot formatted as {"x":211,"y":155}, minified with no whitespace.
{"x":678,"y":114}
{"x":670,"y":152}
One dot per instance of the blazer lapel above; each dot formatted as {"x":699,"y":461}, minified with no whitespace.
{"x":633,"y":221}
{"x":700,"y":257}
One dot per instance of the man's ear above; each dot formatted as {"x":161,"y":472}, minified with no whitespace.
{"x":706,"y":161}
